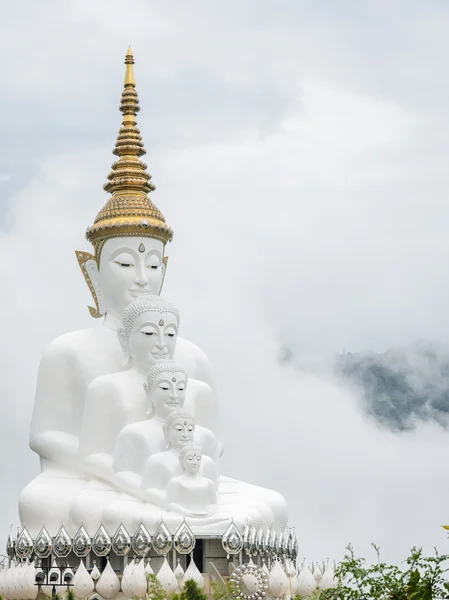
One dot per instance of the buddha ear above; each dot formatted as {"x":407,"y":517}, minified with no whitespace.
{"x":164,"y":271}
{"x":150,"y":409}
{"x":89,"y":268}
{"x":124,"y":344}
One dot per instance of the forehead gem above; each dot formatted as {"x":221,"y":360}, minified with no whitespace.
{"x":185,"y":422}
{"x":174,"y":379}
{"x":161,"y":322}
{"x":141,"y":248}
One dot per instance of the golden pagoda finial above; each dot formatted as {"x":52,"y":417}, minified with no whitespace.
{"x":129,"y":210}
{"x":129,"y":73}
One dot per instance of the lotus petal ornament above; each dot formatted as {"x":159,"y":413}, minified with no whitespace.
{"x":293,"y":583}
{"x":306,"y":582}
{"x":121,"y":541}
{"x":184,"y":540}
{"x":82,"y":582}
{"x":162,"y":542}
{"x":95,"y":573}
{"x":141,"y":542}
{"x":179,"y":571}
{"x":273,"y":541}
{"x":31,"y":587}
{"x":167,"y":578}
{"x":327,"y":581}
{"x":259,"y":540}
{"x":24,"y":544}
{"x":62,"y":544}
{"x":10,"y":545}
{"x":192,"y":572}
{"x":43,"y":544}
{"x":253,"y":540}
{"x":265,"y":568}
{"x":81,"y":543}
{"x":101,"y":542}
{"x":317,"y":572}
{"x":127,"y":580}
{"x":108,"y":586}
{"x":289,"y":544}
{"x":268,"y":542}
{"x":279,"y":545}
{"x":139,"y":584}
{"x":295,"y":546}
{"x":278,"y":583}
{"x":148,"y":570}
{"x":250,"y":581}
{"x":232,"y":540}
{"x":247,"y":539}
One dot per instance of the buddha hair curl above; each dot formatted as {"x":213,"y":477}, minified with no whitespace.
{"x":163,"y":366}
{"x":148,"y":303}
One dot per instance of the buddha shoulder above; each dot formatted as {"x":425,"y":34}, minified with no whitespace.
{"x":194,"y":361}
{"x":84,"y":342}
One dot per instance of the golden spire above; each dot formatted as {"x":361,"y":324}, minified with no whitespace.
{"x":129,"y":210}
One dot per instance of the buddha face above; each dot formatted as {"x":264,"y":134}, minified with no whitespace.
{"x":180,"y":432}
{"x":167,"y":393}
{"x":129,"y":266}
{"x":152,"y":337}
{"x":191,"y":461}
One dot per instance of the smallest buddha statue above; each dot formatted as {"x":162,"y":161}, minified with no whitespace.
{"x":162,"y":467}
{"x":190,"y":493}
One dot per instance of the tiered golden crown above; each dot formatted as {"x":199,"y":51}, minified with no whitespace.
{"x":129,"y":210}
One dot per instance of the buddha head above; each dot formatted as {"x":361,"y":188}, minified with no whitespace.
{"x":165,"y":389}
{"x":149,"y":331}
{"x":190,"y":458}
{"x":179,"y":429}
{"x":129,"y":233}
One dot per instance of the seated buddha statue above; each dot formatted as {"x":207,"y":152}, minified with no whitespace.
{"x":129,"y":236}
{"x":191,"y":493}
{"x":167,"y":388}
{"x":148,"y":335}
{"x":162,"y":467}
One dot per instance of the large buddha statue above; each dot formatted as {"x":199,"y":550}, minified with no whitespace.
{"x":98,"y":368}
{"x":129,"y":236}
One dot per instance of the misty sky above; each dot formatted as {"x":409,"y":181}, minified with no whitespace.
{"x":300,"y":154}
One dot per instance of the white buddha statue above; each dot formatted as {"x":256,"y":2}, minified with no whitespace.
{"x":149,"y":332}
{"x":190,"y":493}
{"x":166,"y":389}
{"x":129,"y":237}
{"x":162,"y":467}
